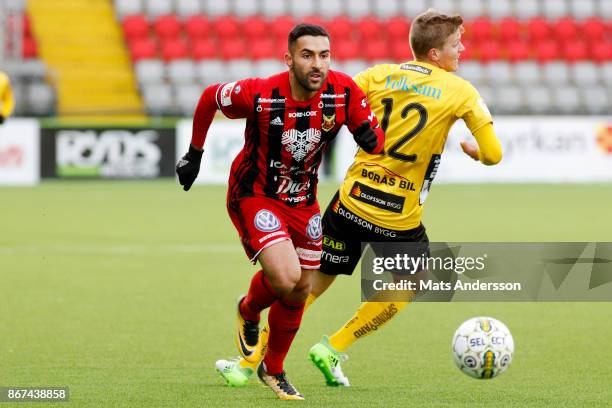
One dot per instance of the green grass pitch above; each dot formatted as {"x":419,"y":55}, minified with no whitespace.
{"x":125,"y":292}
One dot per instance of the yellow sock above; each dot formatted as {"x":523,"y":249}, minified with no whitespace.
{"x":369,"y":317}
{"x":263,"y":339}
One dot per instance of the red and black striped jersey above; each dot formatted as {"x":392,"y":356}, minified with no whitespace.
{"x":285,"y":138}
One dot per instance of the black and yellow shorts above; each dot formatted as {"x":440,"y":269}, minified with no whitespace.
{"x":344,"y":232}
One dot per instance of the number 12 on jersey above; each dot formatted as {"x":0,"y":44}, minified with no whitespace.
{"x":394,"y":150}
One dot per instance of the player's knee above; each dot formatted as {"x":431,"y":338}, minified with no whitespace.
{"x":285,"y":280}
{"x":300,"y":291}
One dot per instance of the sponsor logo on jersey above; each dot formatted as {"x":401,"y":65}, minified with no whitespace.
{"x":237,"y":89}
{"x":289,"y":186}
{"x":271,"y":100}
{"x":335,"y":259}
{"x":336,"y":206}
{"x":405,"y":84}
{"x":297,"y":199}
{"x":388,"y":180}
{"x":332,"y":96}
{"x":308,"y":254}
{"x":277,"y":121}
{"x":377,"y":198}
{"x":226,"y":94}
{"x":293,"y":170}
{"x":270,"y":235}
{"x":334,"y":244}
{"x":328,"y":122}
{"x":302,"y":114}
{"x":354,"y":218}
{"x":299,"y":144}
{"x":416,"y":68}
{"x":266,"y":221}
{"x":314,"y":229}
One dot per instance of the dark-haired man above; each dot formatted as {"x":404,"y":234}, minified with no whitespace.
{"x":272,"y":187}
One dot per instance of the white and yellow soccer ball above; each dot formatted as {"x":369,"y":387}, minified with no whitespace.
{"x":483,"y":347}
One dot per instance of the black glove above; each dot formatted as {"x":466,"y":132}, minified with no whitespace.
{"x":365,"y":137}
{"x":188,"y":167}
{"x":1,"y":119}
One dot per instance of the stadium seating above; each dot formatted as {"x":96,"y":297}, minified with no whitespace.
{"x":520,"y":52}
{"x":30,"y":78}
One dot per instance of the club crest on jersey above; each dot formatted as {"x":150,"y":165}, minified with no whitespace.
{"x":314,"y":229}
{"x":299,"y":144}
{"x":266,"y":221}
{"x":328,"y":122}
{"x":226,"y":94}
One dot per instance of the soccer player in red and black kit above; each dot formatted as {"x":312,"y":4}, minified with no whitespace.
{"x":271,"y":198}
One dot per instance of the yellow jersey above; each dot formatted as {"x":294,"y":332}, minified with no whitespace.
{"x":416,"y":104}
{"x":7,"y":103}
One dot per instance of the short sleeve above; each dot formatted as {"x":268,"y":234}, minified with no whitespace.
{"x":235,"y":99}
{"x":473,"y":110}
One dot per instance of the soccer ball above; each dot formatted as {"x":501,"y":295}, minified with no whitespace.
{"x":483,"y":347}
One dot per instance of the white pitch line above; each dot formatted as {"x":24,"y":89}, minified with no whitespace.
{"x":71,"y":249}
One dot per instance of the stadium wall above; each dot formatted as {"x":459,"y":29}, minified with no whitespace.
{"x":536,"y":149}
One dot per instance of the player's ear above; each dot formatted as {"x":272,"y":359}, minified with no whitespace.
{"x":288,"y":59}
{"x":434,"y":54}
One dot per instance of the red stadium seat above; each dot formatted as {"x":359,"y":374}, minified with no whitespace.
{"x":369,"y":27}
{"x":135,"y":26}
{"x":255,"y":27}
{"x":198,"y":27}
{"x":401,"y":52}
{"x":602,"y":51}
{"x":547,"y":51}
{"x":313,"y":19}
{"x":346,"y":50}
{"x":518,"y":51}
{"x":565,"y":29}
{"x":227,"y":27}
{"x":233,"y":49}
{"x":575,"y":50}
{"x":594,"y":29}
{"x":482,"y":29}
{"x":280,"y":27}
{"x":143,"y":48}
{"x":167,"y":27}
{"x":471,"y":50}
{"x":30,"y":48}
{"x":174,"y":49}
{"x":398,"y":28}
{"x":203,"y":48}
{"x":27,"y":26}
{"x":538,"y":29}
{"x":510,"y":29}
{"x":264,"y":48}
{"x":376,"y":50}
{"x":340,"y":28}
{"x":489,"y":51}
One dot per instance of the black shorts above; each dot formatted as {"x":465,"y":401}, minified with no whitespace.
{"x":344,"y":232}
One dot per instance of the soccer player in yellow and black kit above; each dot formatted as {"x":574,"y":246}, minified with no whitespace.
{"x":382,"y":196}
{"x":7,"y":103}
